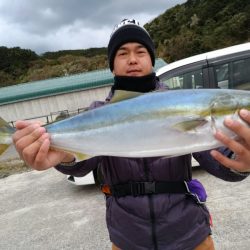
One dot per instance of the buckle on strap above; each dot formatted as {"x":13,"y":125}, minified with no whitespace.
{"x":145,"y":188}
{"x":142,"y":188}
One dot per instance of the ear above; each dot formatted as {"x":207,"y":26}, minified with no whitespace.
{"x":113,"y":72}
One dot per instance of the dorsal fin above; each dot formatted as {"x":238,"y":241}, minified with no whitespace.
{"x":121,"y":95}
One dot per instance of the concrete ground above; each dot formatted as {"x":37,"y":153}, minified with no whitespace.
{"x":41,"y":210}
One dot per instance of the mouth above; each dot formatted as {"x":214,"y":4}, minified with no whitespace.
{"x":133,"y":72}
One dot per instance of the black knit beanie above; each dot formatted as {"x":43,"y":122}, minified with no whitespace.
{"x":127,"y":31}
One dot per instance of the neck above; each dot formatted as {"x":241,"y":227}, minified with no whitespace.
{"x":141,"y":84}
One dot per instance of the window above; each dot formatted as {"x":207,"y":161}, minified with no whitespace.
{"x":241,"y":74}
{"x":221,"y":76}
{"x":192,"y":79}
{"x":233,"y":75}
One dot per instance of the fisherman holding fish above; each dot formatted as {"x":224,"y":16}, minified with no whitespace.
{"x":152,"y":200}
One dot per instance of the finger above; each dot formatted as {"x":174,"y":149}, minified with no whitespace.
{"x":23,"y":124}
{"x":41,"y":160}
{"x":240,"y":129}
{"x":29,"y":152}
{"x":32,"y":131}
{"x":230,"y":143}
{"x":47,"y":158}
{"x":29,"y":140}
{"x":245,"y":115}
{"x":239,"y":166}
{"x":225,"y":161}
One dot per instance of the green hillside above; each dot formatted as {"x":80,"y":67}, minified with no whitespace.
{"x":19,"y":65}
{"x":191,"y":28}
{"x":199,"y":26}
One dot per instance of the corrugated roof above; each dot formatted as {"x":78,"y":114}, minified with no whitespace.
{"x":60,"y":85}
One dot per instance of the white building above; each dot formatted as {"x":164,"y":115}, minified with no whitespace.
{"x":44,"y":100}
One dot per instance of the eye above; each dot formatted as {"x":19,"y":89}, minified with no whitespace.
{"x":121,"y":53}
{"x":141,"y":51}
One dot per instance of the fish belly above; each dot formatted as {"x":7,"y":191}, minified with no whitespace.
{"x":137,"y":139}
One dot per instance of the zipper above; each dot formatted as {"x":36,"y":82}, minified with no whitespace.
{"x":151,"y":208}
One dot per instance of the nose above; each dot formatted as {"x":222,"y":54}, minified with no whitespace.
{"x":132,"y":59}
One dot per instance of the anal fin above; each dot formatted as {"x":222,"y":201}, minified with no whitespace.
{"x":79,"y":156}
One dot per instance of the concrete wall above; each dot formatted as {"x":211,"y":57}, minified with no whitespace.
{"x":47,"y":105}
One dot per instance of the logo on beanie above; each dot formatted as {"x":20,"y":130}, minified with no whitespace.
{"x":124,"y":22}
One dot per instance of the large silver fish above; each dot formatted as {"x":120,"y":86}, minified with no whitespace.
{"x":165,"y":123}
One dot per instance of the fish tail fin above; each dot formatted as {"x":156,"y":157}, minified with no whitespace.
{"x":6,"y":132}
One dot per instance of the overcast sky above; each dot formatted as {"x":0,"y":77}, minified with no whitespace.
{"x":52,"y":25}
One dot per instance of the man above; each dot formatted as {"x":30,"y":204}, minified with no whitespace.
{"x":172,"y":216}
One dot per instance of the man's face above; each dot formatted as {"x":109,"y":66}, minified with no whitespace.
{"x":132,"y":59}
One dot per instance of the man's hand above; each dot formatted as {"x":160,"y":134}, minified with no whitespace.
{"x":241,"y":148}
{"x":32,"y":142}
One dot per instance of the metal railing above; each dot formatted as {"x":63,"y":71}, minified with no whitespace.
{"x":53,"y":116}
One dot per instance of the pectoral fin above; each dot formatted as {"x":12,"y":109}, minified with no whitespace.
{"x":190,"y":124}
